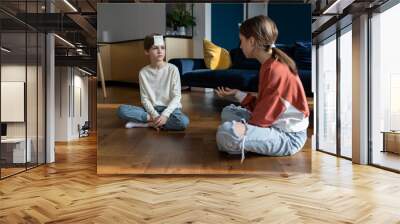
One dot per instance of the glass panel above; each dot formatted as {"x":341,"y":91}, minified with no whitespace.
{"x":31,"y":98}
{"x":13,"y":87}
{"x":327,"y":96}
{"x":41,"y":98}
{"x":385,"y":84}
{"x":346,"y":93}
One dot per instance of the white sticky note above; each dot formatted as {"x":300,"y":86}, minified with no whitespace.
{"x":158,"y":40}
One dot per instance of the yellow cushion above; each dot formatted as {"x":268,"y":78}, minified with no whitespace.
{"x":215,"y":57}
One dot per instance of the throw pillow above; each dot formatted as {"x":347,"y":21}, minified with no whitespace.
{"x":215,"y":57}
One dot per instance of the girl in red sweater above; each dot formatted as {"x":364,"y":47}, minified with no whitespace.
{"x":274,"y":122}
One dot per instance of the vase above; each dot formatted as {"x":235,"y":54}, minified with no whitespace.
{"x":181,"y":30}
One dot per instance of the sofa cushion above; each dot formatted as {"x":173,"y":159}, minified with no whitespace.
{"x":239,"y":61}
{"x":187,"y":64}
{"x":215,"y":57}
{"x":246,"y":80}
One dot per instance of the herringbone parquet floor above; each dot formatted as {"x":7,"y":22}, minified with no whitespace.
{"x":70,"y":191}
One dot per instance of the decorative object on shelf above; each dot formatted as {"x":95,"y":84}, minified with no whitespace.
{"x":179,"y":19}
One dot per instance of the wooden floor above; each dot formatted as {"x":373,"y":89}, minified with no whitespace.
{"x":70,"y":191}
{"x":10,"y":171}
{"x":194,"y":151}
{"x":387,"y":159}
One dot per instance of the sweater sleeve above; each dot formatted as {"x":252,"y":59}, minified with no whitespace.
{"x":239,"y":96}
{"x":144,"y":96}
{"x":249,"y":102}
{"x":269,"y":106}
{"x":175,"y":93}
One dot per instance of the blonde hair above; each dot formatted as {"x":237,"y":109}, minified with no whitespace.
{"x":265,"y":33}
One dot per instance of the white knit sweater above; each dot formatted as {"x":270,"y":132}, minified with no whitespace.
{"x":160,"y":87}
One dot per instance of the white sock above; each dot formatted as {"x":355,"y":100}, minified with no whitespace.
{"x":131,"y":124}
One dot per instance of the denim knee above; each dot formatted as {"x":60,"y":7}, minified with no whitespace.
{"x":297,"y":141}
{"x":121,"y":111}
{"x":182,"y":122}
{"x":228,"y":113}
{"x":234,"y":113}
{"x":226,"y":139}
{"x":177,"y":122}
{"x":185,"y":121}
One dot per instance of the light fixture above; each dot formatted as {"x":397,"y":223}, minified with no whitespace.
{"x":5,"y":50}
{"x":337,"y":7}
{"x":65,"y":41}
{"x":70,"y":5}
{"x":84,"y":71}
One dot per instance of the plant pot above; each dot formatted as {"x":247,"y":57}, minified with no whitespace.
{"x":181,"y":30}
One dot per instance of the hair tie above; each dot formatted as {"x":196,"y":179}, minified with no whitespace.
{"x":269,"y":46}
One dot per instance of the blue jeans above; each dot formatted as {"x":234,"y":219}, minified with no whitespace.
{"x":177,"y":121}
{"x":266,"y":141}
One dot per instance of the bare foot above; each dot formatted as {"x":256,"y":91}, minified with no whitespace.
{"x":239,"y":129}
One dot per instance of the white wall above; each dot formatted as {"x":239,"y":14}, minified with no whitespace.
{"x":14,"y":72}
{"x":62,"y":83}
{"x":255,"y":9}
{"x":119,"y":22}
{"x":17,"y":73}
{"x":202,"y":30}
{"x":33,"y":125}
{"x":80,"y":93}
{"x":127,"y":21}
{"x":70,"y":83}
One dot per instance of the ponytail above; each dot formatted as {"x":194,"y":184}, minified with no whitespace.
{"x":265,"y":32}
{"x":282,"y":57}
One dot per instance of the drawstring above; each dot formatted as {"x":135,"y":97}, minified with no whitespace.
{"x":242,"y":148}
{"x":243,"y":140}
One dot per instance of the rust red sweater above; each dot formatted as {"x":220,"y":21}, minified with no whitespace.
{"x":281,"y":101}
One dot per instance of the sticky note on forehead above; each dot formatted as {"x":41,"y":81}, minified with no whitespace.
{"x":158,"y":40}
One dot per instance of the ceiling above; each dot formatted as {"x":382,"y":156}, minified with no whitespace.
{"x":72,"y":20}
{"x":76,"y":21}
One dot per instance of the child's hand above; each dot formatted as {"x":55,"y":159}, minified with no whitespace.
{"x":225,"y":91}
{"x":160,"y":121}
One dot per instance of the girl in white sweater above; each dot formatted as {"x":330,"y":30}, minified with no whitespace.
{"x":160,"y":92}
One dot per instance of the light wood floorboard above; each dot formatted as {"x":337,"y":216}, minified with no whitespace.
{"x":70,"y":191}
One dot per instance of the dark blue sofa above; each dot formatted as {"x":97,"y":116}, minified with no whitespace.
{"x":243,"y":73}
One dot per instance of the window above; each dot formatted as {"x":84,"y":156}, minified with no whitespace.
{"x":22,"y":77}
{"x":385,"y":89}
{"x":346,"y":74}
{"x":327,"y":96}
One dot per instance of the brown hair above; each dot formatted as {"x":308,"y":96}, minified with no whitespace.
{"x":149,"y":41}
{"x":265,"y":33}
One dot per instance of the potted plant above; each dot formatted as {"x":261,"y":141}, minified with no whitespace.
{"x":179,"y":19}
